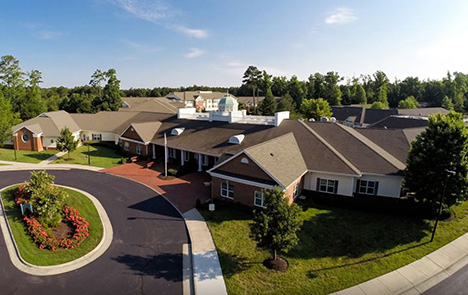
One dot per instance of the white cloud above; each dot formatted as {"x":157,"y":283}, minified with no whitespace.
{"x":140,"y":47}
{"x":196,"y":33}
{"x":145,"y":9}
{"x":194,"y":52}
{"x":48,"y":35}
{"x":342,"y":15}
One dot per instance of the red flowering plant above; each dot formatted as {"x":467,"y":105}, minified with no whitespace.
{"x":22,"y":195}
{"x":44,"y":241}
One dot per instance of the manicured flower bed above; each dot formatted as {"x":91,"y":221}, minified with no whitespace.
{"x":44,"y":241}
{"x":39,"y":234}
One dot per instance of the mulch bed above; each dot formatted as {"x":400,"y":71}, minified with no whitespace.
{"x":162,"y":177}
{"x":63,"y":231}
{"x":280,"y":264}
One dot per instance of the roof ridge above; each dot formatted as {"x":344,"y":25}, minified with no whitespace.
{"x":171,"y":108}
{"x":376,"y":148}
{"x":269,"y":140}
{"x":331,"y":148}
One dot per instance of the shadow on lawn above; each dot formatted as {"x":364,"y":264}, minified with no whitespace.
{"x":340,"y":232}
{"x":37,"y":156}
{"x":233,"y":264}
{"x":166,"y":266}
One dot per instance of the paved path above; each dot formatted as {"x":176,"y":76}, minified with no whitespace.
{"x":146,"y":255}
{"x":52,"y":158}
{"x":182,"y":192}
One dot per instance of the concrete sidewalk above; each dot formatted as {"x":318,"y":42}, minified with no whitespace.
{"x":419,"y":276}
{"x":207,"y":274}
{"x":53,"y":158}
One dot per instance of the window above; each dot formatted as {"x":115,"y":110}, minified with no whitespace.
{"x":368,"y":187}
{"x":245,"y":161}
{"x":138,"y":150}
{"x":186,"y":156}
{"x":120,"y":141}
{"x":227,"y":190}
{"x":296,"y":190}
{"x":25,"y":137}
{"x":126,"y":146}
{"x":51,"y":141}
{"x":327,"y":185}
{"x":204,"y":160}
{"x":258,"y":199}
{"x":96,"y":137}
{"x":172,"y":153}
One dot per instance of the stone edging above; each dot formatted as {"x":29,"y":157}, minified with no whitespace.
{"x":31,"y":269}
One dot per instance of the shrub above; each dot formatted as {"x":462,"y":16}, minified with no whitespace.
{"x":172,"y":171}
{"x":44,"y":241}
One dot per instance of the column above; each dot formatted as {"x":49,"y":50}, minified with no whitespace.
{"x":182,"y":160}
{"x":200,"y":156}
{"x":154,"y":151}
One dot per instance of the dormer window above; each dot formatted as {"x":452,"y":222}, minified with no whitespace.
{"x":237,"y":139}
{"x":177,"y":131}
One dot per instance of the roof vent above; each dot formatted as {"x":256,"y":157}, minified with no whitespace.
{"x":333,"y":119}
{"x":324,"y":119}
{"x":237,"y":139}
{"x":177,"y":131}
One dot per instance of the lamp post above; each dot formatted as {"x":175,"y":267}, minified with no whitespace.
{"x":441,"y":201}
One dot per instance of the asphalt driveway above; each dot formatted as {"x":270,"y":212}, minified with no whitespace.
{"x":145,"y":256}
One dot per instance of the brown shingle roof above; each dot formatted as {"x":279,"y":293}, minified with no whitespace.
{"x":151,"y":104}
{"x":360,"y":154}
{"x":51,"y":123}
{"x":280,"y":157}
{"x":147,"y":130}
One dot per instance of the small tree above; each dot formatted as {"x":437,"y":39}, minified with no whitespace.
{"x":46,"y":199}
{"x":316,"y":108}
{"x":377,"y":105}
{"x":267,"y":106}
{"x":447,"y":103}
{"x":275,"y":226}
{"x":286,"y":103}
{"x":66,"y":141}
{"x":442,"y":147}
{"x":409,"y":103}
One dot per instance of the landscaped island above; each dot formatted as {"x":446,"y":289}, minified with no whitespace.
{"x":62,"y":226}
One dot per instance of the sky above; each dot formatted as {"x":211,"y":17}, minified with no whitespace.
{"x":173,"y":43}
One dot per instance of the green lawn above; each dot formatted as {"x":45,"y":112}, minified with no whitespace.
{"x":25,"y":156}
{"x":101,"y":156}
{"x":29,"y":250}
{"x":338,"y":248}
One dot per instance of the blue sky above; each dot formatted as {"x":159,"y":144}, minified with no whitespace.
{"x":212,"y":42}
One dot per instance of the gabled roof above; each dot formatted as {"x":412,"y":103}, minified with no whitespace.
{"x":400,"y":122}
{"x":423,"y":112}
{"x":279,"y":157}
{"x":192,"y":95}
{"x":147,"y":130}
{"x":35,"y":128}
{"x":103,"y":121}
{"x":151,"y":104}
{"x":51,"y":123}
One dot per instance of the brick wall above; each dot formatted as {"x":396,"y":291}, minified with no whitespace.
{"x":133,"y":148}
{"x":33,"y":143}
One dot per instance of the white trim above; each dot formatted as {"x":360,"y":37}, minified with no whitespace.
{"x":263,"y":198}
{"x":227,"y":190}
{"x":295,"y":181}
{"x":264,"y":170}
{"x":225,"y":161}
{"x":37,"y":134}
{"x":242,"y":181}
{"x":333,"y":173}
{"x":326,"y":191}
{"x":135,"y":141}
{"x":367,"y":187}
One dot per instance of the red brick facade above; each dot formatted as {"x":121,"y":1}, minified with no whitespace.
{"x":132,"y":148}
{"x":32,"y":143}
{"x":245,"y":194}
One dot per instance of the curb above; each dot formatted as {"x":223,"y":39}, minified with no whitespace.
{"x":36,"y":270}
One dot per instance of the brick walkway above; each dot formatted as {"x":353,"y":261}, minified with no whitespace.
{"x":181,"y":192}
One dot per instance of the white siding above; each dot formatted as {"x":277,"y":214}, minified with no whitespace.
{"x":389,"y":186}
{"x":345,"y":183}
{"x":47,"y":142}
{"x":105,"y":135}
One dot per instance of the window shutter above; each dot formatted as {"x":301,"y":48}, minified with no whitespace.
{"x":358,"y":184}
{"x":336,"y":187}
{"x":318,"y":185}
{"x":376,"y":188}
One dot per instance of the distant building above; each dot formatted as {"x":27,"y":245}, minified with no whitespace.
{"x":200,"y":100}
